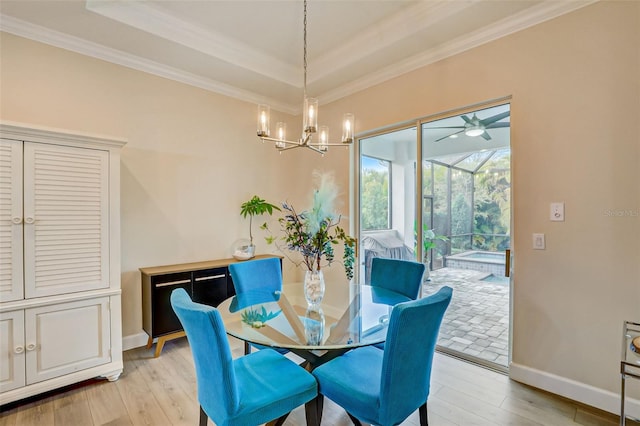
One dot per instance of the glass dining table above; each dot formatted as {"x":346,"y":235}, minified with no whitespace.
{"x":317,"y":333}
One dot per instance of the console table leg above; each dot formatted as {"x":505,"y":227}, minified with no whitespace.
{"x":163,"y":339}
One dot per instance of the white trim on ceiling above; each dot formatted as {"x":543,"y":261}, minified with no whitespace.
{"x":154,"y":20}
{"x":420,"y":16}
{"x":402,"y":24}
{"x":535,"y":15}
{"x":55,"y":38}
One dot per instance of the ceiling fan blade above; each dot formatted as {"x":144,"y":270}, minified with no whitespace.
{"x":498,"y":125}
{"x":448,"y":136}
{"x":445,"y":127}
{"x":466,"y":119}
{"x":486,"y":136}
{"x":495,"y":118}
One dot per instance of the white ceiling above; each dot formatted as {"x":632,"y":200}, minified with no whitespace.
{"x":252,"y":49}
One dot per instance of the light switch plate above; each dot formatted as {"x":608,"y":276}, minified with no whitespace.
{"x":538,"y":241}
{"x":557,"y":212}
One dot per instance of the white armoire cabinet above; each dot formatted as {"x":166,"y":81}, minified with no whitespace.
{"x":60,"y":297}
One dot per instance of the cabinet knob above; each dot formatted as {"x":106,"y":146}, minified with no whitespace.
{"x":31,"y":346}
{"x":19,"y":349}
{"x":29,"y":220}
{"x":16,"y":220}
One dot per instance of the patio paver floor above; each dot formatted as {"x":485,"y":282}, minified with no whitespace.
{"x":477,"y":320}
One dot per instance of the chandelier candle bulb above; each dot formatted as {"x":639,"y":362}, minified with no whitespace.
{"x":310,"y":115}
{"x":324,"y":138}
{"x":347,"y":131}
{"x":263,"y":120}
{"x":281,"y":132}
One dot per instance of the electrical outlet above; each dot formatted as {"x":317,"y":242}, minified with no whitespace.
{"x":538,"y":241}
{"x":557,"y":212}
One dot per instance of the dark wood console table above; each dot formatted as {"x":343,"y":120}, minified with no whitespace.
{"x":207,"y":282}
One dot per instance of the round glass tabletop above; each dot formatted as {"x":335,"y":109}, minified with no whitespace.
{"x":285,"y":320}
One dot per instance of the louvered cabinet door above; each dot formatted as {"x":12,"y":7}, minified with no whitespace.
{"x":66,"y":222}
{"x":11,"y":287}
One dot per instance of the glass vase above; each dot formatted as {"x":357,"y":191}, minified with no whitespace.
{"x":314,"y":325}
{"x":313,"y":287}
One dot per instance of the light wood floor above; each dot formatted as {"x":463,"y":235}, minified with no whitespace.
{"x":162,"y":391}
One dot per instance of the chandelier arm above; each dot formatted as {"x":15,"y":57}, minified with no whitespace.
{"x":270,"y":139}
{"x":290,"y":148}
{"x":332,"y":144}
{"x":312,"y":148}
{"x":302,"y":146}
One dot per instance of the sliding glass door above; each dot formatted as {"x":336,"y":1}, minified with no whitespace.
{"x":387,"y":180}
{"x":459,"y":213}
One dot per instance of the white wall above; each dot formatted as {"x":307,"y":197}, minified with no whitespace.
{"x":192,"y":159}
{"x":575,"y":135}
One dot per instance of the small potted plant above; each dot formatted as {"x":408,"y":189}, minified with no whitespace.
{"x":254,"y":207}
{"x":429,"y":242}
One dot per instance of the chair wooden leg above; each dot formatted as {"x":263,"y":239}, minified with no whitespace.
{"x":203,"y":417}
{"x":424,"y":421}
{"x":313,"y":410}
{"x":355,"y":421}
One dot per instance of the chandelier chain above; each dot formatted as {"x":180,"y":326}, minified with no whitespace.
{"x":305,"y":48}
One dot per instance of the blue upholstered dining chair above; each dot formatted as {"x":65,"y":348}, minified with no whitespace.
{"x":250,"y":390}
{"x":259,"y":276}
{"x":385,"y":387}
{"x":401,"y":276}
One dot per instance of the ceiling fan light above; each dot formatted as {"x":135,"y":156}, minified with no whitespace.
{"x":474,"y":131}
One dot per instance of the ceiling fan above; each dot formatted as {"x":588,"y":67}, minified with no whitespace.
{"x":476,"y":127}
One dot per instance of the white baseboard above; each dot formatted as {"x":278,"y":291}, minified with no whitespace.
{"x":133,"y":341}
{"x":577,"y":391}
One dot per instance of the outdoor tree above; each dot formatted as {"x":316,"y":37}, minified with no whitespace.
{"x":374,"y":205}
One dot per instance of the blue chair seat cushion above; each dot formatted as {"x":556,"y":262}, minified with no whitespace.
{"x":272,"y":383}
{"x":356,"y":388}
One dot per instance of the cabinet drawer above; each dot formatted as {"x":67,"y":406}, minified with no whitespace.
{"x":210,"y":286}
{"x":165,"y":320}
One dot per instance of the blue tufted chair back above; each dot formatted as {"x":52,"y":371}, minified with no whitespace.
{"x":402,"y":276}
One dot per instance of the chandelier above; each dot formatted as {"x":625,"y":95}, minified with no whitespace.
{"x":309,"y":120}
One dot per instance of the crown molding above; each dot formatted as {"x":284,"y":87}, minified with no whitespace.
{"x":545,"y":11}
{"x":54,"y":38}
{"x":154,"y":20}
{"x":402,"y":24}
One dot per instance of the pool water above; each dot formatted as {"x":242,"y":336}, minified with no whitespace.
{"x":477,"y":260}
{"x":496,"y":280}
{"x":484,"y":256}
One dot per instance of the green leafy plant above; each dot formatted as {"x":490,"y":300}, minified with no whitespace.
{"x":256,"y":318}
{"x":254,"y":207}
{"x":314,"y":232}
{"x":429,"y":239}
